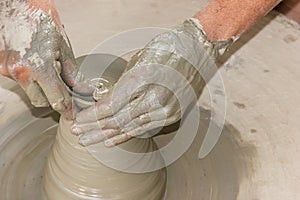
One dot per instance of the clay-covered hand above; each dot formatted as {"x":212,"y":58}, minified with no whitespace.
{"x":160,"y":82}
{"x":35,"y":52}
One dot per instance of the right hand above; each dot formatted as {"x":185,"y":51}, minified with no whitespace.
{"x":36,"y":53}
{"x":160,"y":83}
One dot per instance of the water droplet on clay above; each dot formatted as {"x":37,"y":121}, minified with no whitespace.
{"x":101,"y":86}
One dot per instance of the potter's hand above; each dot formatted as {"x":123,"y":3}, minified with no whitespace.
{"x":35,"y":52}
{"x":143,"y":98}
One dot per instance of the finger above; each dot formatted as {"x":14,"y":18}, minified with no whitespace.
{"x":156,"y":115}
{"x":69,"y":65}
{"x":105,"y":108}
{"x":118,"y":139}
{"x":133,"y":61}
{"x":55,"y":91}
{"x":165,"y":116}
{"x":138,"y":126}
{"x":138,"y":107}
{"x":124,"y":117}
{"x":23,"y":77}
{"x":117,"y":119}
{"x":145,"y":128}
{"x":35,"y":94}
{"x":128,"y":85}
{"x":100,"y":110}
{"x":97,"y":136}
{"x":78,"y":129}
{"x":83,"y":88}
{"x":137,"y":122}
{"x":106,"y":123}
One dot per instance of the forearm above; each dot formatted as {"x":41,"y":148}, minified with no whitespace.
{"x":224,"y":19}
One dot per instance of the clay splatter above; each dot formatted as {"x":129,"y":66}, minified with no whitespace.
{"x":253,"y":130}
{"x":239,"y":105}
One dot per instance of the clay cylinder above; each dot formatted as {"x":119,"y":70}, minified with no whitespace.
{"x":73,"y":173}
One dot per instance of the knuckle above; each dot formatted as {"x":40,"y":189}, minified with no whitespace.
{"x":58,"y":106}
{"x":175,"y":117}
{"x":169,"y":110}
{"x":38,"y":103}
{"x":119,"y":121}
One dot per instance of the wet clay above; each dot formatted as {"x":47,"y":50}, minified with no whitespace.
{"x":24,"y":157}
{"x":28,"y":169}
{"x":73,"y":173}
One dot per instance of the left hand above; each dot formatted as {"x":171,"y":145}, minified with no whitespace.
{"x":138,"y":103}
{"x":36,"y":53}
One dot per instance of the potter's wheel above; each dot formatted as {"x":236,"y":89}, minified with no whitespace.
{"x":23,"y":158}
{"x":25,"y":143}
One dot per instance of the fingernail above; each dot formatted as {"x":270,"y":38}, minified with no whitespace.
{"x":109,"y":143}
{"x":58,"y":106}
{"x":130,"y":134}
{"x":76,"y":130}
{"x":101,"y":123}
{"x":84,"y":141}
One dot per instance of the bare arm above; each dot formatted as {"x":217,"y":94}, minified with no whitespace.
{"x":223,"y":19}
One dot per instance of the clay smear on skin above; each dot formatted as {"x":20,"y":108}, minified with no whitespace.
{"x":48,"y":7}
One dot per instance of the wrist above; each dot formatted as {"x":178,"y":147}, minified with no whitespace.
{"x":224,"y":19}
{"x":46,"y":6}
{"x":194,"y":29}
